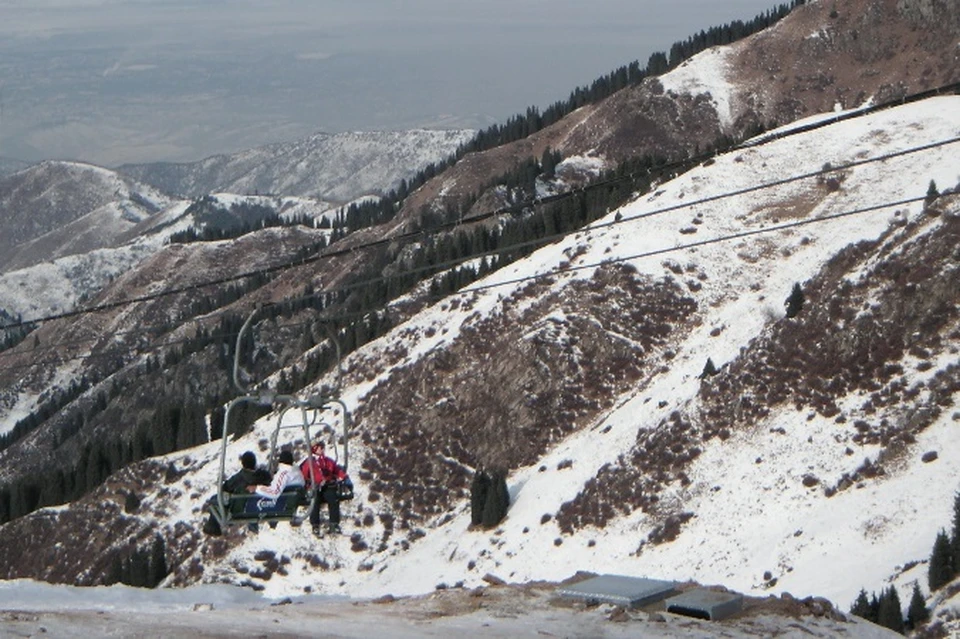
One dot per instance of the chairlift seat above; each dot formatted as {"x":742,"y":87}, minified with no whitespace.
{"x":254,"y":507}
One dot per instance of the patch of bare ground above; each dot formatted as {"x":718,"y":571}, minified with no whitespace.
{"x":795,"y":208}
{"x":514,"y":600}
{"x":472,"y":406}
{"x":826,"y":54}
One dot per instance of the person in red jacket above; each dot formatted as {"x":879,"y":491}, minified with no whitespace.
{"x":326,"y":474}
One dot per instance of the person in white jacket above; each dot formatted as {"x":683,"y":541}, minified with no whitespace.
{"x":286,"y":476}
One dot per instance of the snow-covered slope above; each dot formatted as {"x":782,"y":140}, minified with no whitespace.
{"x":756,"y":526}
{"x":819,"y":461}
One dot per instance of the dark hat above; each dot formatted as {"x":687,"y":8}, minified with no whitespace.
{"x":248,"y":460}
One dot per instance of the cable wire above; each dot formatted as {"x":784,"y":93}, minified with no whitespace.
{"x":471,"y":289}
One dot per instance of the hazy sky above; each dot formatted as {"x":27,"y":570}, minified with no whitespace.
{"x":114,"y":81}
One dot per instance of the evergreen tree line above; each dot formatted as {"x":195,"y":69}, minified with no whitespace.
{"x":226,"y":295}
{"x":355,"y":216}
{"x":885,"y":609}
{"x":350,"y":336}
{"x":726,"y":34}
{"x":436,"y":252}
{"x":142,"y":568}
{"x":222,"y":223}
{"x":521,"y":126}
{"x":489,"y":498}
{"x":44,"y":411}
{"x":172,"y":424}
{"x":10,"y":337}
{"x":223,"y":337}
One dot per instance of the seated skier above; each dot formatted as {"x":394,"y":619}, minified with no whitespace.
{"x":327,"y":475}
{"x":249,"y":474}
{"x":286,"y":476}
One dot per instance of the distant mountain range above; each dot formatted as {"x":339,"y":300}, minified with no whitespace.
{"x":9,"y":165}
{"x":67,"y":228}
{"x":54,"y":209}
{"x":337,"y":168}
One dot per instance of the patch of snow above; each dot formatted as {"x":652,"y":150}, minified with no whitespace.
{"x":707,"y":73}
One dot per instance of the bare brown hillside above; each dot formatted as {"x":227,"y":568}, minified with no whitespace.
{"x":829,"y":55}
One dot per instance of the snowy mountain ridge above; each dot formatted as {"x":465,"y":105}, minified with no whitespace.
{"x":73,"y":226}
{"x":817,"y":461}
{"x":814,"y":543}
{"x":338,"y":167}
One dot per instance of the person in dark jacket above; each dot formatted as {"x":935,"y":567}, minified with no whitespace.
{"x":248,"y":475}
{"x":326,"y":474}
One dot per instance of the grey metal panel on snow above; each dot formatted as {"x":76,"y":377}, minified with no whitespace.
{"x":619,"y":590}
{"x":705,"y":604}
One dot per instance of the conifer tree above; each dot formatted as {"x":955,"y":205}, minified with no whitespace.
{"x":115,"y":572}
{"x":917,"y":613}
{"x":932,"y":193}
{"x":941,"y":570}
{"x":158,"y":562}
{"x":478,"y":496}
{"x":795,"y":302}
{"x":890,"y":612}
{"x":136,"y":571}
{"x":874,"y":608}
{"x":709,"y":369}
{"x":131,"y":502}
{"x":955,"y":541}
{"x":498,"y":499}
{"x":861,"y":607}
{"x":549,"y":161}
{"x":657,"y":63}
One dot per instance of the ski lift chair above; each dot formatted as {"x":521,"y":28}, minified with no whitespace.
{"x":253,"y":508}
